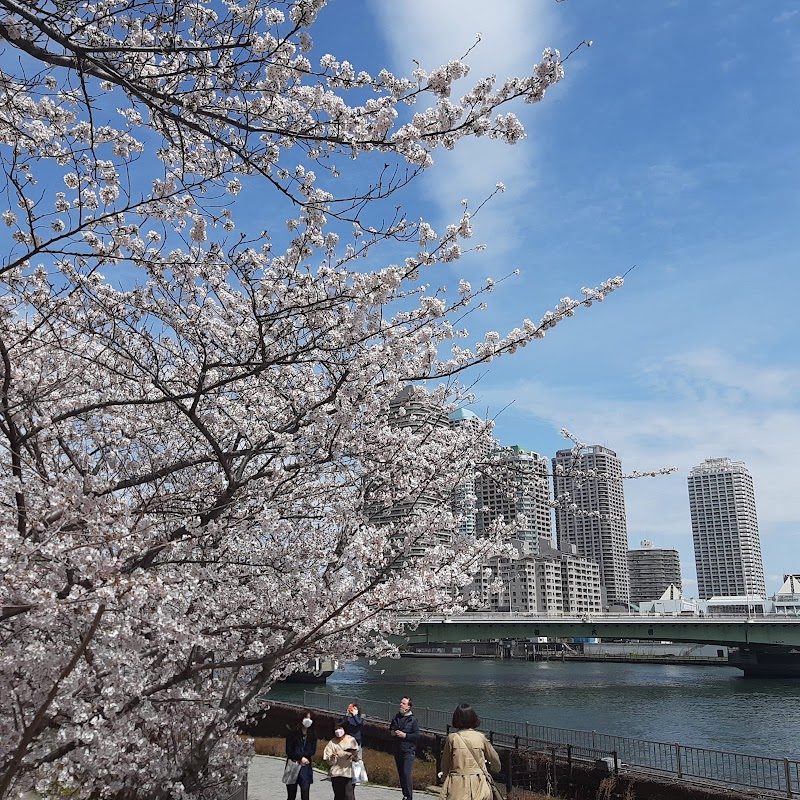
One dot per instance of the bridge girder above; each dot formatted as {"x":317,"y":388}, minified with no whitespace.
{"x":755,"y":633}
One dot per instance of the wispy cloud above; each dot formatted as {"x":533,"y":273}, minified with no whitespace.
{"x":670,"y":179}
{"x":786,"y":15}
{"x":433,"y":33}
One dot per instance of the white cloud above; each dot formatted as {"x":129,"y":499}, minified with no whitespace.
{"x":714,"y":376}
{"x":785,"y":16}
{"x":670,"y":179}
{"x":512,"y":40}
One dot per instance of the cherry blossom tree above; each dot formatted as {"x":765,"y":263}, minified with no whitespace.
{"x":198,"y":441}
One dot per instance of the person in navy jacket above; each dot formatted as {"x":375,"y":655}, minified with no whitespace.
{"x":301,"y":746}
{"x":353,"y":722}
{"x":404,"y":729}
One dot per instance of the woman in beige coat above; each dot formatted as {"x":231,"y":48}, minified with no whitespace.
{"x":466,"y":752}
{"x":340,"y":753}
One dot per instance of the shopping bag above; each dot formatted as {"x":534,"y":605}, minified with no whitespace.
{"x":359,"y":772}
{"x":291,"y":772}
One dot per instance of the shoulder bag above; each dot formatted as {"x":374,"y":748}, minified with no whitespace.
{"x":482,"y":764}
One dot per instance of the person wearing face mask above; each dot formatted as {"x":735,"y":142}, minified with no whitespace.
{"x":353,"y":722}
{"x":301,"y":747}
{"x":340,"y":753}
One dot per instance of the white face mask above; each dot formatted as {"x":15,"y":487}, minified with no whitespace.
{"x":355,"y":712}
{"x":338,"y":733}
{"x":307,"y":723}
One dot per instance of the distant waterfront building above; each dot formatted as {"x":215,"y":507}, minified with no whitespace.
{"x":652,"y":571}
{"x":513,"y":483}
{"x":787,"y":600}
{"x":593,"y":517}
{"x":672,"y":602}
{"x":727,"y":547}
{"x":551,"y":582}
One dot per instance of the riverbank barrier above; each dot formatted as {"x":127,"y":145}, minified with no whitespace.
{"x":674,"y":653}
{"x":542,"y":756}
{"x":641,"y":658}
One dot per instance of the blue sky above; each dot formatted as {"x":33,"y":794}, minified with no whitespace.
{"x":672,"y":145}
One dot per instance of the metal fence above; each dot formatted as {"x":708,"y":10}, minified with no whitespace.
{"x":240,"y":792}
{"x":779,"y":777}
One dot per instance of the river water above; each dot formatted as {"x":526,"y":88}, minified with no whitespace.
{"x":713,"y":707}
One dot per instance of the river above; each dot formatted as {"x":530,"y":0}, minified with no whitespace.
{"x":713,"y":707}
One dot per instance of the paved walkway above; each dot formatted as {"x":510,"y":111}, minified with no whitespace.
{"x":264,"y":783}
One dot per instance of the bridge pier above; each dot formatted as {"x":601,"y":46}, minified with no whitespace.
{"x":766,"y":663}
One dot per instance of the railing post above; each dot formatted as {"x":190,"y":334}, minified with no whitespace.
{"x":569,"y":763}
{"x":509,"y":779}
{"x":788,"y":771}
{"x":616,"y":762}
{"x":594,"y":744}
{"x":678,"y":764}
{"x":553,"y":770}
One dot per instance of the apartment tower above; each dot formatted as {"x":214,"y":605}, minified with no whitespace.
{"x":652,"y":571}
{"x":513,"y":483}
{"x":421,"y":416}
{"x":464,"y":498}
{"x":727,"y":547}
{"x":591,"y":515}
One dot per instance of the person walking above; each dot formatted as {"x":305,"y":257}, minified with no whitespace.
{"x":465,"y":757}
{"x":404,"y":727}
{"x":340,"y":753}
{"x":301,"y":747}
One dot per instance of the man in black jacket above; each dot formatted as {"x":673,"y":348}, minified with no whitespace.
{"x":405,"y":729}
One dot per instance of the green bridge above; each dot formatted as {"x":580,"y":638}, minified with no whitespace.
{"x":770,"y":644}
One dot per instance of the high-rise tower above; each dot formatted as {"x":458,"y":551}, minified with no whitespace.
{"x":425,"y":422}
{"x":593,"y":517}
{"x":464,"y":498}
{"x":727,"y":547}
{"x":652,"y":571}
{"x":513,"y":483}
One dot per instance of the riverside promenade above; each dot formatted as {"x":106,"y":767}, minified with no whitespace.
{"x":264,"y":783}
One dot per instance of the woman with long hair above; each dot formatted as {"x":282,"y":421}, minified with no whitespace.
{"x":301,"y":747}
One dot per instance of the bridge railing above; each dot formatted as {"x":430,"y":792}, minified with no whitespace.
{"x":778,"y":777}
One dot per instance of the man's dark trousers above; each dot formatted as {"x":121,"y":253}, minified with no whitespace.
{"x":405,"y":766}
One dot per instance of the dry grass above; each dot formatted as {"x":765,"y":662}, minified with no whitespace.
{"x":524,"y":794}
{"x":380,"y":767}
